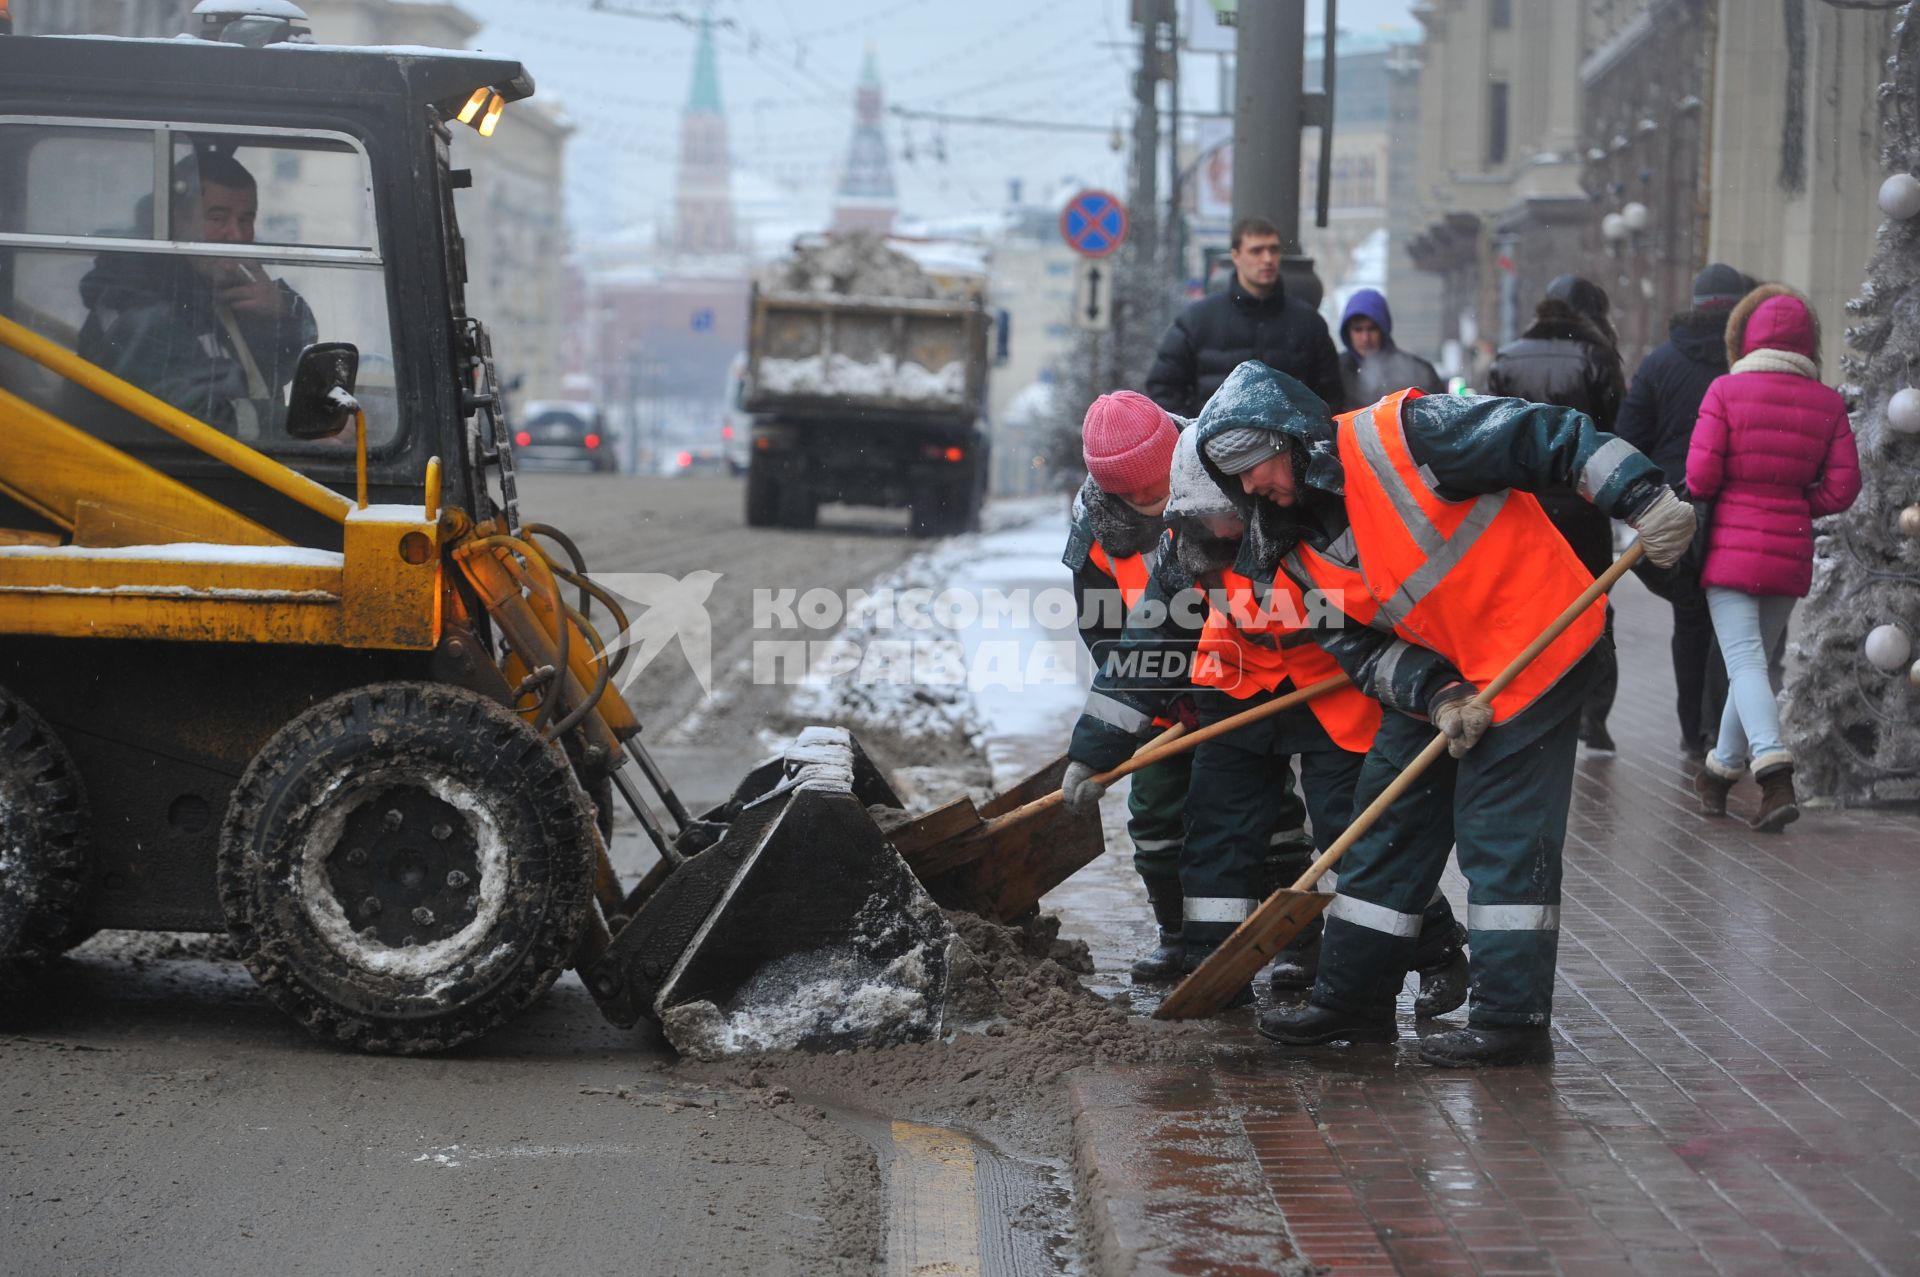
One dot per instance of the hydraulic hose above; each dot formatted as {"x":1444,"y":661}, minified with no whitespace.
{"x":543,"y":574}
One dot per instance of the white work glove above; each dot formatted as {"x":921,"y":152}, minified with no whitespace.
{"x":1462,"y":718}
{"x":1080,"y":793}
{"x":1665,"y":528}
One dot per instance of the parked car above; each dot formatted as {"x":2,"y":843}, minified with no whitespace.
{"x":562,"y":435}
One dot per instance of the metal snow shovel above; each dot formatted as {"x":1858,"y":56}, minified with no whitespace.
{"x":1280,"y":916}
{"x":1027,"y":845}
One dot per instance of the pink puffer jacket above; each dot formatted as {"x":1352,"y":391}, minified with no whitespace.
{"x":1773,"y":451}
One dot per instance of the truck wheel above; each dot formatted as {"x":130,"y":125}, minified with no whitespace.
{"x":406,"y":866}
{"x":763,"y":496}
{"x":45,"y":861}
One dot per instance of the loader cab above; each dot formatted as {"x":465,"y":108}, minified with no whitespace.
{"x":194,"y":216}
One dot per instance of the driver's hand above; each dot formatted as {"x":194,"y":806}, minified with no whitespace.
{"x":245,"y":288}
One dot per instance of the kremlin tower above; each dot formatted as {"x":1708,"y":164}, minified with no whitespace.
{"x":703,"y":198}
{"x":865,"y":199}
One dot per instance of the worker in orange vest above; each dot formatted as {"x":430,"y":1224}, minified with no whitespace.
{"x":1118,"y":537}
{"x":1204,"y":628}
{"x":1413,"y":516}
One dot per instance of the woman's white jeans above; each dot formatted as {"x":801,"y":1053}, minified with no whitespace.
{"x":1748,"y":627}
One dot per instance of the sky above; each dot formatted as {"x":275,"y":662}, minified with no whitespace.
{"x":787,"y":74}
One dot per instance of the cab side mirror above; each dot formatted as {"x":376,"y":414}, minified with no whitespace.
{"x":320,"y":403}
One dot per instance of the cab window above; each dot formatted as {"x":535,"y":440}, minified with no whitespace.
{"x":196,"y":265}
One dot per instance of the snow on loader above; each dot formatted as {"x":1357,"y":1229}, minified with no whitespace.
{"x":373,"y":737}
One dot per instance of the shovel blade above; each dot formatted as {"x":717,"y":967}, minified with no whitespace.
{"x":1240,"y":956}
{"x":1003,"y":867}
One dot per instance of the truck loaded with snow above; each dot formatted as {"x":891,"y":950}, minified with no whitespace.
{"x":867,"y":379}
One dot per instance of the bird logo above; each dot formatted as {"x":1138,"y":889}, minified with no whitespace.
{"x":671,"y":608}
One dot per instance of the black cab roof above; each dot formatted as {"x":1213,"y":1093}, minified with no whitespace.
{"x":89,"y":68}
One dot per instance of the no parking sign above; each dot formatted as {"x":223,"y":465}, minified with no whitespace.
{"x":1093,"y":223}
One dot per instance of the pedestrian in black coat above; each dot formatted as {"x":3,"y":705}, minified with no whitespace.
{"x":1657,"y":417}
{"x":1253,"y":318}
{"x":1569,"y":356}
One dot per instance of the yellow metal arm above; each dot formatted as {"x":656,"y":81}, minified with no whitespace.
{"x":164,"y":416}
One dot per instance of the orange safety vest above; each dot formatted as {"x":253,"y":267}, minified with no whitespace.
{"x":1474,"y":580}
{"x":1130,"y":573}
{"x":1233,"y":659}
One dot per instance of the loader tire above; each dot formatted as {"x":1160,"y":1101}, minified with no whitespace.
{"x":45,"y":860}
{"x":406,"y":866}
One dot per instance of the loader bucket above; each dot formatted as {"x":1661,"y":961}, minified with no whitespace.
{"x":800,"y":928}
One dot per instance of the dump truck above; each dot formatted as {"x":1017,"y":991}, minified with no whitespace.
{"x":866,"y":380}
{"x":280,"y":653}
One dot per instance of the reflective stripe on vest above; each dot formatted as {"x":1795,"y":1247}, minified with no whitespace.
{"x":1475,"y":580}
{"x":1244,"y":665}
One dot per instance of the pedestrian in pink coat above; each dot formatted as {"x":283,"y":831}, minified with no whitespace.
{"x":1773,"y":451}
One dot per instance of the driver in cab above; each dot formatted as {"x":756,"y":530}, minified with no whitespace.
{"x":215,"y":337}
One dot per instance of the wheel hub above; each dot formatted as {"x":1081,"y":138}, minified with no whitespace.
{"x":406,"y":868}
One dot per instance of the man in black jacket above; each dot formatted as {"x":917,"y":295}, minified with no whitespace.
{"x":1253,"y":318}
{"x":1569,"y":357}
{"x":1657,"y":418}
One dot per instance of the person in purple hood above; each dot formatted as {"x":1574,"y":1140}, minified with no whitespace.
{"x":1371,"y":366}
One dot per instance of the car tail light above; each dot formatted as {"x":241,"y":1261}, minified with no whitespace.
{"x":956,"y":454}
{"x":523,"y":439}
{"x":685,"y":459}
{"x":592,"y":441}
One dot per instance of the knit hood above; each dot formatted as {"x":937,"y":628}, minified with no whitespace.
{"x":1372,"y":303}
{"x":1193,"y":498}
{"x":1255,"y":396}
{"x":1781,"y":325}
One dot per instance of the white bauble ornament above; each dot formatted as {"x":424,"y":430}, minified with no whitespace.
{"x":1900,"y":196}
{"x":1913,"y":675}
{"x":1888,"y":647}
{"x":1910,"y":520}
{"x":1903,"y":411}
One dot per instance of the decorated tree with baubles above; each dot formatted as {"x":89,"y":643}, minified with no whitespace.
{"x":1852,"y":712}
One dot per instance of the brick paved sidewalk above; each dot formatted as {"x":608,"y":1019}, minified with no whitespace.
{"x":1735,"y":1088}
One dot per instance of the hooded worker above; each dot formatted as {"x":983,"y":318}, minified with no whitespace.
{"x":1242,"y":648}
{"x":1371,"y":365}
{"x":1414,"y":515}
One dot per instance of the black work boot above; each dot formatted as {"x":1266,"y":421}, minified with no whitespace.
{"x":1295,"y":967}
{"x":1168,"y":959}
{"x":1594,"y":734}
{"x":1778,"y":806}
{"x":1312,"y":1025}
{"x":1489,"y":1046}
{"x":1444,"y":972}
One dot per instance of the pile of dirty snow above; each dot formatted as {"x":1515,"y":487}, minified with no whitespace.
{"x":1018,"y":1019}
{"x":881,"y":378}
{"x":853,"y":264}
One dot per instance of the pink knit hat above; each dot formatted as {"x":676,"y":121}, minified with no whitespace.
{"x":1127,"y":441}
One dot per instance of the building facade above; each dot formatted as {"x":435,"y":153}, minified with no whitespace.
{"x":1633,"y":141}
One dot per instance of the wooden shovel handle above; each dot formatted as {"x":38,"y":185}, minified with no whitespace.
{"x":1242,"y":954}
{"x":1180,"y":741}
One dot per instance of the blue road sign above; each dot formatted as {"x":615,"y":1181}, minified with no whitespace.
{"x":1094,"y":223}
{"x":703,"y":320}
